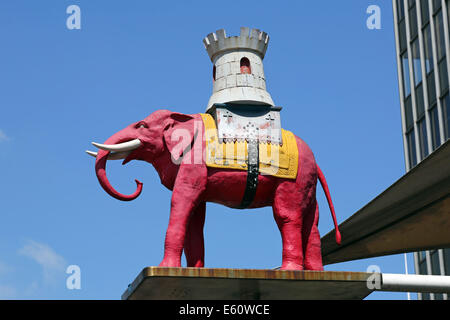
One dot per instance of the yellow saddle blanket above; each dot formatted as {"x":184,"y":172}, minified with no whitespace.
{"x":279,"y":161}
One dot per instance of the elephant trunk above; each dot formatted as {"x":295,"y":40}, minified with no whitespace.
{"x":100,"y":170}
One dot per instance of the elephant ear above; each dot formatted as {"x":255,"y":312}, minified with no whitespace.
{"x":179,"y":135}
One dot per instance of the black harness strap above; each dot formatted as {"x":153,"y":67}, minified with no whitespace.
{"x":252,"y":173}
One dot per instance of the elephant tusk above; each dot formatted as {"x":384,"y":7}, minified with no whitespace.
{"x":111,"y":156}
{"x":120,"y":147}
{"x":92,"y":153}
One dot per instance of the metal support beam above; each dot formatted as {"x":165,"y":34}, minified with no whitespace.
{"x":414,"y":283}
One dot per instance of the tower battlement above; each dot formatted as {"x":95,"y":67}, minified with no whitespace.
{"x":238,"y":71}
{"x":251,"y":39}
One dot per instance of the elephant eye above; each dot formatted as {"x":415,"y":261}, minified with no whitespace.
{"x":141,"y":125}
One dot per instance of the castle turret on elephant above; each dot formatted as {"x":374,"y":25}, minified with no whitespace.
{"x":172,"y":143}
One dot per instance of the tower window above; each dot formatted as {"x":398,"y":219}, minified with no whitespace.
{"x":214,"y":73}
{"x":245,"y":66}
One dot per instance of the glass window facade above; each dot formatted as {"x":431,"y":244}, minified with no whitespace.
{"x":436,"y":5}
{"x":441,"y":50}
{"x":446,"y":115}
{"x":400,"y":10}
{"x":413,"y":22}
{"x":423,"y":138}
{"x":409,"y":114}
{"x":416,"y":62}
{"x":435,"y":268}
{"x":406,"y":80}
{"x":447,"y":261}
{"x":428,"y":49}
{"x":430,"y":90}
{"x":425,"y":12}
{"x":402,"y":34}
{"x":425,"y":296}
{"x":435,"y":135}
{"x":423,"y":270}
{"x":440,"y":35}
{"x":448,"y":10}
{"x":420,"y":103}
{"x":411,"y":148}
{"x":443,"y":75}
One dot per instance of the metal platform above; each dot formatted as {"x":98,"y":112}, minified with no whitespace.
{"x":161,"y":283}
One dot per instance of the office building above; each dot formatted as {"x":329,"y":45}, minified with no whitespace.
{"x":423,"y":57}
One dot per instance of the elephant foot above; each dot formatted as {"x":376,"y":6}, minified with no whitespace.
{"x":196,"y":264}
{"x":291,"y":266}
{"x":170,"y":262}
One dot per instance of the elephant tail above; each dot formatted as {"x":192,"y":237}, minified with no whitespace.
{"x":324,"y":184}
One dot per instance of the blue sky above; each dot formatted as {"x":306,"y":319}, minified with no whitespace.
{"x":61,"y":89}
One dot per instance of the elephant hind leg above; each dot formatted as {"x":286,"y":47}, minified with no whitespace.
{"x":288,"y":217}
{"x":194,"y":248}
{"x":311,"y":240}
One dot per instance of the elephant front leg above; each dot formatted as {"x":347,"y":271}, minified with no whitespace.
{"x":184,"y":201}
{"x":194,"y":248}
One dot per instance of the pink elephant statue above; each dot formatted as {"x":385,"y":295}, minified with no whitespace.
{"x":294,"y":204}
